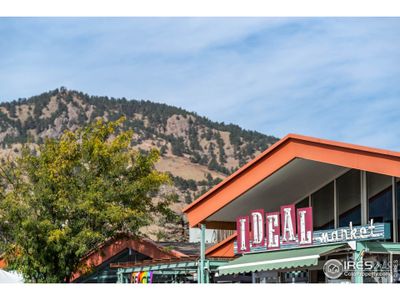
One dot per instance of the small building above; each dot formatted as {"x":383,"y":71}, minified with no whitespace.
{"x":134,"y":260}
{"x":96,"y":265}
{"x":183,"y":269}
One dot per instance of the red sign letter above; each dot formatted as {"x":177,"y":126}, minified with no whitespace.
{"x":305,"y":226}
{"x":288,"y":221}
{"x":273,"y":230}
{"x":257,"y":227}
{"x":242,"y":229}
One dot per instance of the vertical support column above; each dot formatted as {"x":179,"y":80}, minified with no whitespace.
{"x":202,"y":253}
{"x":120,"y":277}
{"x":364,"y":200}
{"x":198,"y":272}
{"x":391,"y":266}
{"x":358,"y":278}
{"x":335,"y":205}
{"x":207,"y":272}
{"x":395,"y":229}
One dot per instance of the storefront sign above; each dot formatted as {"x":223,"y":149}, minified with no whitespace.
{"x":275,"y":229}
{"x":372,"y":231}
{"x":290,"y":228}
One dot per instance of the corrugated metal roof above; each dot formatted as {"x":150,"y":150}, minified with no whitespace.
{"x":190,"y":249}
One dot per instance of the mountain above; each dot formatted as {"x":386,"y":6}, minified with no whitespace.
{"x":197,"y":152}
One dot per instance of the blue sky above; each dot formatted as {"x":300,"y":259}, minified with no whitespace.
{"x":335,"y":78}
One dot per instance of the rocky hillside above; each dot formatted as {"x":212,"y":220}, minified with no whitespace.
{"x":196,"y":151}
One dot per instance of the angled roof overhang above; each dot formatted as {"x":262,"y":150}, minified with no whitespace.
{"x":225,"y":248}
{"x":317,"y":159}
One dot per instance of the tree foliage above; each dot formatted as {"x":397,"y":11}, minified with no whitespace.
{"x":74,"y":193}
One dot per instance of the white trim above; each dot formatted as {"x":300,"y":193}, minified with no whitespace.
{"x":269,"y":262}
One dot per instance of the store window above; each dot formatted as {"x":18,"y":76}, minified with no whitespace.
{"x":323,"y":207}
{"x":379,"y":192}
{"x":348,"y":191}
{"x":266,"y":277}
{"x":303,"y":203}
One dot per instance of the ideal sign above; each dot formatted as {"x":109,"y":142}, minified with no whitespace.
{"x":275,"y":229}
{"x":291,"y":228}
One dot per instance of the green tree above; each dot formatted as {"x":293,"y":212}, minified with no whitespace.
{"x":76,"y":192}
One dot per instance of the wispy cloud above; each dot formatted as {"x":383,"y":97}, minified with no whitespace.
{"x":336,"y":78}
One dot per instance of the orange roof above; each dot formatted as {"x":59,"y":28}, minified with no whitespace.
{"x":3,"y":263}
{"x":290,"y":147}
{"x":223,"y":248}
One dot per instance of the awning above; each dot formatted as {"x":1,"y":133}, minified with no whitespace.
{"x":280,"y":259}
{"x":169,"y":266}
{"x":381,"y":247}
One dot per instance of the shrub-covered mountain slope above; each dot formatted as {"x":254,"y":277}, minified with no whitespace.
{"x":196,"y":151}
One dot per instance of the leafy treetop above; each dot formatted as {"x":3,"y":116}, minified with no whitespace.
{"x":74,"y":193}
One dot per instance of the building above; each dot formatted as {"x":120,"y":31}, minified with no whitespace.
{"x":96,"y":265}
{"x":183,"y":269}
{"x":141,"y":260}
{"x":130,"y":259}
{"x":308,"y":210}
